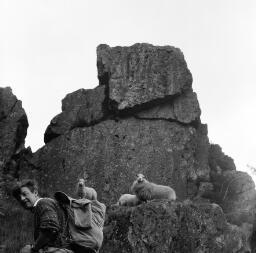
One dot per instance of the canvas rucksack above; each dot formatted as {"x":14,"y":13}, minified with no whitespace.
{"x":85,"y":220}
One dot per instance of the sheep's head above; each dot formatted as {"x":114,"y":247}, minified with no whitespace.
{"x":140,"y":178}
{"x":81,"y":182}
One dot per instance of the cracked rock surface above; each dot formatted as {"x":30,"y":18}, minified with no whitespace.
{"x":166,"y":227}
{"x":13,"y":127}
{"x":142,"y":73}
{"x":144,"y":117}
{"x":112,"y":152}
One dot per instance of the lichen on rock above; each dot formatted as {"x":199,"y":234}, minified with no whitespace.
{"x":13,"y":130}
{"x":166,"y":226}
{"x":144,"y":117}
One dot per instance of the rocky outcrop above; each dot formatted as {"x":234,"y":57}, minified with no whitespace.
{"x":183,"y":109}
{"x":218,"y":161}
{"x":131,"y":78}
{"x":13,"y":129}
{"x":112,"y":152}
{"x":141,"y":73}
{"x":144,"y":117}
{"x":233,"y":190}
{"x":80,"y":108}
{"x":162,"y":226}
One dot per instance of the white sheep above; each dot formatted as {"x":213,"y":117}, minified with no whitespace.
{"x":84,"y":192}
{"x":146,"y":190}
{"x":128,"y":200}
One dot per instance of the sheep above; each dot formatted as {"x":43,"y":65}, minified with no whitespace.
{"x":85,"y":192}
{"x":128,"y":200}
{"x":146,"y":190}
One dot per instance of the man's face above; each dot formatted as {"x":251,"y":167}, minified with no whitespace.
{"x":28,"y":198}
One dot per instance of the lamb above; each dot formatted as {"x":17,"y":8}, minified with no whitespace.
{"x":146,"y":190}
{"x":85,"y":192}
{"x":128,"y":200}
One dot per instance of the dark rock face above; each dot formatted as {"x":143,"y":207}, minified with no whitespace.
{"x":141,"y":73}
{"x":234,"y":190}
{"x":162,"y":226}
{"x":133,"y":78}
{"x":13,"y":128}
{"x":218,"y":160}
{"x":183,"y":109}
{"x":80,"y":108}
{"x":111,"y":153}
{"x":145,"y":118}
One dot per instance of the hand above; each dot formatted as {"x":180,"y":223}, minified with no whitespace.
{"x":26,"y":249}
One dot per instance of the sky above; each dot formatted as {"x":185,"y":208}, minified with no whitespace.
{"x":48,"y":49}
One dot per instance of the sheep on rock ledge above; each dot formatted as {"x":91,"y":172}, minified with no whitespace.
{"x":146,"y":190}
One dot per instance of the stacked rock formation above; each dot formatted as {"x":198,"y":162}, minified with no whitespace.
{"x":233,"y":190}
{"x":144,"y":117}
{"x":13,"y":130}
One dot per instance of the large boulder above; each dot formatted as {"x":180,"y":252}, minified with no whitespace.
{"x":142,"y":77}
{"x":110,"y":154}
{"x":162,"y":226}
{"x":233,"y":190}
{"x":218,"y":160}
{"x":141,"y":73}
{"x":13,"y":129}
{"x":145,"y":118}
{"x":80,"y":108}
{"x":183,"y":109}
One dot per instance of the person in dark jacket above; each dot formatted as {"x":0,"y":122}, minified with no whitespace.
{"x":50,"y":230}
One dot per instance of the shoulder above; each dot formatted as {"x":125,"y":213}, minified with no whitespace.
{"x":46,"y":202}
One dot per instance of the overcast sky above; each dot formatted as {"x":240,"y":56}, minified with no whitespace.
{"x":48,"y":49}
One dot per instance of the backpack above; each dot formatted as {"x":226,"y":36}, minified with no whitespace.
{"x":85,"y":220}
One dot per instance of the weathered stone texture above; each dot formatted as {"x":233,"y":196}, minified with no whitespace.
{"x":61,"y":124}
{"x":147,"y":81}
{"x":162,"y":226}
{"x":141,"y":73}
{"x":94,"y":109}
{"x":13,"y":126}
{"x":145,"y":118}
{"x":218,"y":160}
{"x":184,"y":109}
{"x":235,"y":192}
{"x":80,"y":108}
{"x":112,"y":152}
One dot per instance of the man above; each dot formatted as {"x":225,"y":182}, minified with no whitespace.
{"x":50,"y":223}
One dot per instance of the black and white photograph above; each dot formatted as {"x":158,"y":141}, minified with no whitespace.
{"x":127,"y":126}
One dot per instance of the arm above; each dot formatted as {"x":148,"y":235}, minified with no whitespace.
{"x":43,"y":239}
{"x":47,"y":225}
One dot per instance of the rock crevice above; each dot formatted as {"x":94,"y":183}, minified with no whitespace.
{"x":144,"y":117}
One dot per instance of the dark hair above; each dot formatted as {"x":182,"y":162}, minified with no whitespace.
{"x":31,"y":184}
